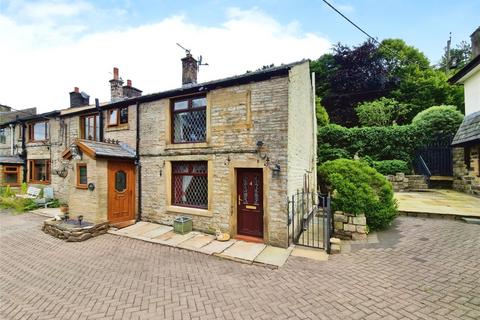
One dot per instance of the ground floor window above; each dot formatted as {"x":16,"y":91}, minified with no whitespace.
{"x":11,"y":175}
{"x":190,"y":184}
{"x":82,"y":181}
{"x":39,"y":171}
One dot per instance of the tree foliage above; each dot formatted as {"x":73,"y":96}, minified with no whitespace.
{"x":352,"y":75}
{"x":322,"y":115}
{"x":381,"y":112}
{"x":438,"y":121}
{"x":459,"y":57}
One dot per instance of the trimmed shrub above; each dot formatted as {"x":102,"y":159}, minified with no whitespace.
{"x":322,"y":115}
{"x":438,"y":121}
{"x":380,"y":143}
{"x":357,"y":188}
{"x":387,"y":167}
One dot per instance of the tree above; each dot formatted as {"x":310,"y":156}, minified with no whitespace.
{"x":459,"y":57}
{"x":322,"y":115}
{"x":381,"y":112}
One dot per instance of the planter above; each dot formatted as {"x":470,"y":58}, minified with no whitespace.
{"x":64,"y":209}
{"x":182,"y":225}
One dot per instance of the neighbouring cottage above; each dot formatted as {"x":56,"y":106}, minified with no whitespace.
{"x":226,"y":153}
{"x":466,"y":143}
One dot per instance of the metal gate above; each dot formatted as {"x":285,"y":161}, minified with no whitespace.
{"x":435,"y":159}
{"x":309,"y":219}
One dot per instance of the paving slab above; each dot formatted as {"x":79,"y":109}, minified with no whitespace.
{"x":273,"y":256}
{"x":243,"y":251}
{"x":216,"y":247}
{"x":173,"y":239}
{"x":197,"y":242}
{"x":161,"y":229}
{"x":310,"y":253}
{"x":139,"y":232}
{"x":48,"y":212}
{"x":439,"y":202}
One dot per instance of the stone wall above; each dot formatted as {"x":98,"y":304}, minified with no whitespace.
{"x":467,"y":180}
{"x":349,"y":227}
{"x":402,"y":182}
{"x":70,"y":233}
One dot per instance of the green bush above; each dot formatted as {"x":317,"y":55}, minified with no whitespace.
{"x":357,"y":188}
{"x":18,"y":204}
{"x":438,"y":121}
{"x":381,"y":112}
{"x":380,"y":143}
{"x":391,"y":167}
{"x":24,"y":188}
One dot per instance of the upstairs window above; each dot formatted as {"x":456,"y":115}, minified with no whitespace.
{"x":38,"y":131}
{"x":117,"y":116}
{"x":90,"y":127}
{"x":3,"y":136}
{"x":189,"y":120}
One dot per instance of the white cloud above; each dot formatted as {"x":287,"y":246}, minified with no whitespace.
{"x":42,"y":62}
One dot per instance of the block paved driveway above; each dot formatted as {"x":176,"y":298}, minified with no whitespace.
{"x":422,"y":269}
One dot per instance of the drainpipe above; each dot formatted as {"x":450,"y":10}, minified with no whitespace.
{"x":24,"y":151}
{"x":12,"y":134}
{"x":139,"y":166}
{"x":100,"y":119}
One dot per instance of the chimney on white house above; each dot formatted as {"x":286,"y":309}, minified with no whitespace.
{"x":475,"y":39}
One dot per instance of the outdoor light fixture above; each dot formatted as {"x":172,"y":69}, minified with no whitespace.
{"x":260,"y":144}
{"x":80,"y":218}
{"x":276,"y":170}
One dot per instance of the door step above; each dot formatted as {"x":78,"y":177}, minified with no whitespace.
{"x":471,"y":220}
{"x":123,"y":224}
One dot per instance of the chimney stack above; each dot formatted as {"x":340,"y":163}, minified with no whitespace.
{"x":189,"y":70}
{"x":116,"y":90}
{"x":78,"y":99}
{"x":130,"y":92}
{"x":475,"y":38}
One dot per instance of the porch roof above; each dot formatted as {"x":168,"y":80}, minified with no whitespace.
{"x":469,"y":131}
{"x":11,"y":160}
{"x":95,"y":149}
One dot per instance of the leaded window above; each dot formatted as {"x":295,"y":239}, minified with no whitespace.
{"x":189,"y":120}
{"x":190,"y":184}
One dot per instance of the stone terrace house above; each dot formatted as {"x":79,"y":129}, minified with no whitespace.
{"x":226,"y":153}
{"x":466,"y":143}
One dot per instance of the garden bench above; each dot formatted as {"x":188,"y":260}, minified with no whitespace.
{"x":32,"y":193}
{"x":47,"y":197}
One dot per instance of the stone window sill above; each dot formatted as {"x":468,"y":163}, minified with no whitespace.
{"x":172,"y":146}
{"x":117,"y":127}
{"x":190,"y":211}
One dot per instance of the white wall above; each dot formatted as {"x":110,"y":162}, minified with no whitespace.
{"x":472,"y":93}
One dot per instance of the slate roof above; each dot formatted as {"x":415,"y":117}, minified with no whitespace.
{"x":465,"y":70}
{"x":109,"y":150}
{"x":11,"y":160}
{"x":469,"y":131}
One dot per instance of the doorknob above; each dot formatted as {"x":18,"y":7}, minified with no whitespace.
{"x":239,"y":200}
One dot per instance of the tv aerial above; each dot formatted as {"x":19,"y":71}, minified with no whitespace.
{"x":199,"y":59}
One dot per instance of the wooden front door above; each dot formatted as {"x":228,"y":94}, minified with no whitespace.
{"x":121,"y":191}
{"x":250,"y":202}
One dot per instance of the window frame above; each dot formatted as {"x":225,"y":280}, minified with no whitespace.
{"x":118,"y":117}
{"x":31,"y":131}
{"x":16,"y":170}
{"x":189,"y":173}
{"x":190,"y":109}
{"x":31,"y":171}
{"x":80,"y":185}
{"x":96,"y":125}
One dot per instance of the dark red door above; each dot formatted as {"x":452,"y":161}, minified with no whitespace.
{"x":250,"y":202}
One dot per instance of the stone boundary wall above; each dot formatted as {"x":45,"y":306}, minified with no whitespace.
{"x":467,"y":181}
{"x":73,"y":234}
{"x":349,"y":227}
{"x":402,"y":182}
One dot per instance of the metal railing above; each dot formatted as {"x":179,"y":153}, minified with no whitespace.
{"x":309,"y":219}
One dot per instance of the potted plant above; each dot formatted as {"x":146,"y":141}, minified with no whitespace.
{"x":64,"y":207}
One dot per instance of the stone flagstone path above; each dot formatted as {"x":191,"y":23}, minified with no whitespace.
{"x":237,"y":250}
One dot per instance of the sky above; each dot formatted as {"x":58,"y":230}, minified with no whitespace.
{"x":48,"y":47}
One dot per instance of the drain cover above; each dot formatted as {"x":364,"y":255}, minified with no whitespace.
{"x":419,"y":259}
{"x":423,"y":239}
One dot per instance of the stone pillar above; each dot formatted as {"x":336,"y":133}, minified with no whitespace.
{"x":349,"y":227}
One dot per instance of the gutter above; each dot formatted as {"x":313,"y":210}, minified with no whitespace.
{"x":24,"y":152}
{"x":137,"y":162}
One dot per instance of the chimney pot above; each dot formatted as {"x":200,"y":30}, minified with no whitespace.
{"x":76,"y":89}
{"x":115,"y":73}
{"x":475,"y":38}
{"x":129,"y":83}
